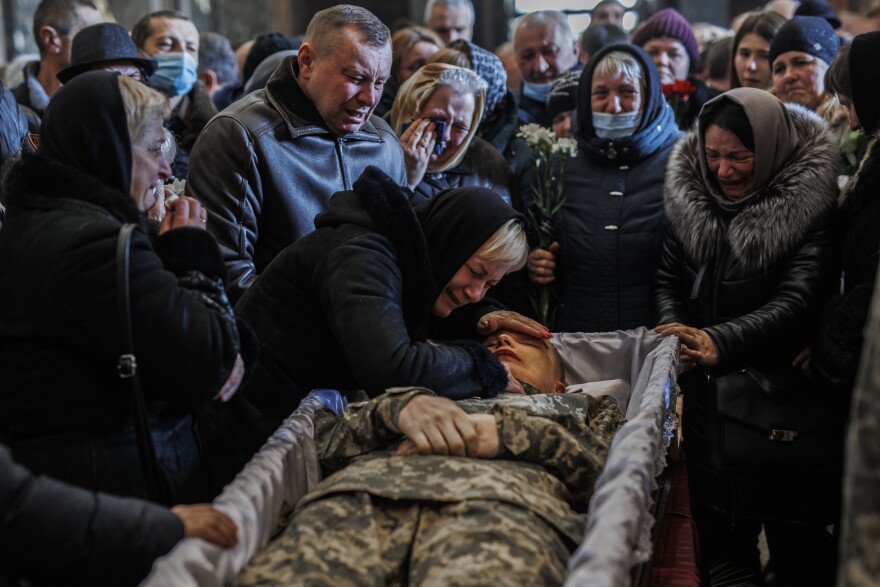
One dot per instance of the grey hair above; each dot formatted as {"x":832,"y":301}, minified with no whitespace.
{"x":142,"y":106}
{"x":326,"y":25}
{"x":545,"y":17}
{"x":463,"y":81}
{"x":620,"y":63}
{"x":216,"y":54}
{"x":508,"y":245}
{"x":429,"y":7}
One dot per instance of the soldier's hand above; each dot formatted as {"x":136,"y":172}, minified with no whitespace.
{"x":487,"y":435}
{"x":436,"y":425}
{"x":487,"y":439}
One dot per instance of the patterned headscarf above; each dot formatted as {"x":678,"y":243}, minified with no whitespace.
{"x":487,"y":66}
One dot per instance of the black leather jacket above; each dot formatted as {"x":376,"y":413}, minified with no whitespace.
{"x":267,"y":165}
{"x":754,"y":281}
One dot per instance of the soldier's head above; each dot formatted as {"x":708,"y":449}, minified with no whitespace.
{"x":534,"y":362}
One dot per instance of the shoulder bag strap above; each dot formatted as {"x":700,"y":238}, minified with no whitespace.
{"x":157,"y":490}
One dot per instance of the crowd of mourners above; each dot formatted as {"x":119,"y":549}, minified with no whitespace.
{"x":330,"y":212}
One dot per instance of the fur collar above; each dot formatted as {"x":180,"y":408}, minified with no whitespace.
{"x":35,"y":176}
{"x":775,"y":223}
{"x":391,"y":214}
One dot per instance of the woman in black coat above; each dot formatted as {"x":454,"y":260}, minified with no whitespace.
{"x":64,"y":411}
{"x":838,"y":345}
{"x":55,"y":533}
{"x":352,"y":305}
{"x":743,"y":272}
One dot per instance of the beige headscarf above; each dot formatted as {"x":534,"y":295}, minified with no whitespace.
{"x":415,"y":92}
{"x":775,"y":140}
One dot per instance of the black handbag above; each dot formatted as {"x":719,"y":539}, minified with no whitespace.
{"x":780,"y":422}
{"x":156,"y":483}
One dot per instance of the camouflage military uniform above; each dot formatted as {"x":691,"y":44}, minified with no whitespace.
{"x":437,"y":520}
{"x":860,"y":539}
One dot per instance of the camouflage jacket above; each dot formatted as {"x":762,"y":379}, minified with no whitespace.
{"x":551,"y":449}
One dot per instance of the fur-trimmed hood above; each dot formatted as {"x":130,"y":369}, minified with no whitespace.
{"x":35,"y":176}
{"x":771,"y":227}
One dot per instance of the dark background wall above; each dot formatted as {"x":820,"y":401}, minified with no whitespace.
{"x":243,"y":19}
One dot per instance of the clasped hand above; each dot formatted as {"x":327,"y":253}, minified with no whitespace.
{"x":436,"y":425}
{"x":697,"y":347}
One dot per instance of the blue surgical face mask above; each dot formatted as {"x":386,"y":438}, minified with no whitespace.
{"x":538,"y":92}
{"x":616,"y":126}
{"x":175,"y":75}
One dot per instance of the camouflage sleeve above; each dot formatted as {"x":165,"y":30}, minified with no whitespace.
{"x":362,"y":427}
{"x":568,"y":448}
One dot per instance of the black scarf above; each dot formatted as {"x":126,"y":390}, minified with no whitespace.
{"x":85,"y":127}
{"x":456,"y":223}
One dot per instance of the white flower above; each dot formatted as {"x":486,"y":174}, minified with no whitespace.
{"x":567,"y":147}
{"x":537,"y":136}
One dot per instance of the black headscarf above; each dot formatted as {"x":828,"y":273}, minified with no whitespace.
{"x":456,"y":223}
{"x":85,"y":127}
{"x":655,"y":126}
{"x":864,"y":81}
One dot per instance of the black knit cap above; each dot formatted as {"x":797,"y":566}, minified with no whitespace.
{"x":563,"y":93}
{"x":809,"y":34}
{"x":818,"y":8}
{"x":107,"y":41}
{"x":456,"y":223}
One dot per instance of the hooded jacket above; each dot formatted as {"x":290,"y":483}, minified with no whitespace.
{"x":612,"y":223}
{"x":64,"y":411}
{"x":754,"y":280}
{"x":349,"y":306}
{"x":267,"y":165}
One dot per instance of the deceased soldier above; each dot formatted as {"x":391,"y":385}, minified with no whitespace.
{"x":422,"y":490}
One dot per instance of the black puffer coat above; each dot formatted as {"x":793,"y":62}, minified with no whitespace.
{"x":64,"y":411}
{"x":348,"y":307}
{"x":612,"y":223}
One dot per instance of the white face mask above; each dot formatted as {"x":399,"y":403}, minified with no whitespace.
{"x":616,"y":126}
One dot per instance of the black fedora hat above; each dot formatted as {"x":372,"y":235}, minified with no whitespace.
{"x":107,"y":41}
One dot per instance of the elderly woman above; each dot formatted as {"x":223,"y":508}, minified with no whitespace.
{"x":800,"y":55}
{"x":670,"y":41}
{"x":852,"y":77}
{"x":742,"y":275}
{"x":500,"y":115}
{"x":65,"y":410}
{"x":750,"y":59}
{"x":410,"y":49}
{"x":351,"y":306}
{"x":436,"y":115}
{"x":609,"y":230}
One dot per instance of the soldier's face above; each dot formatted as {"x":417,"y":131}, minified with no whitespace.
{"x":531,"y":360}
